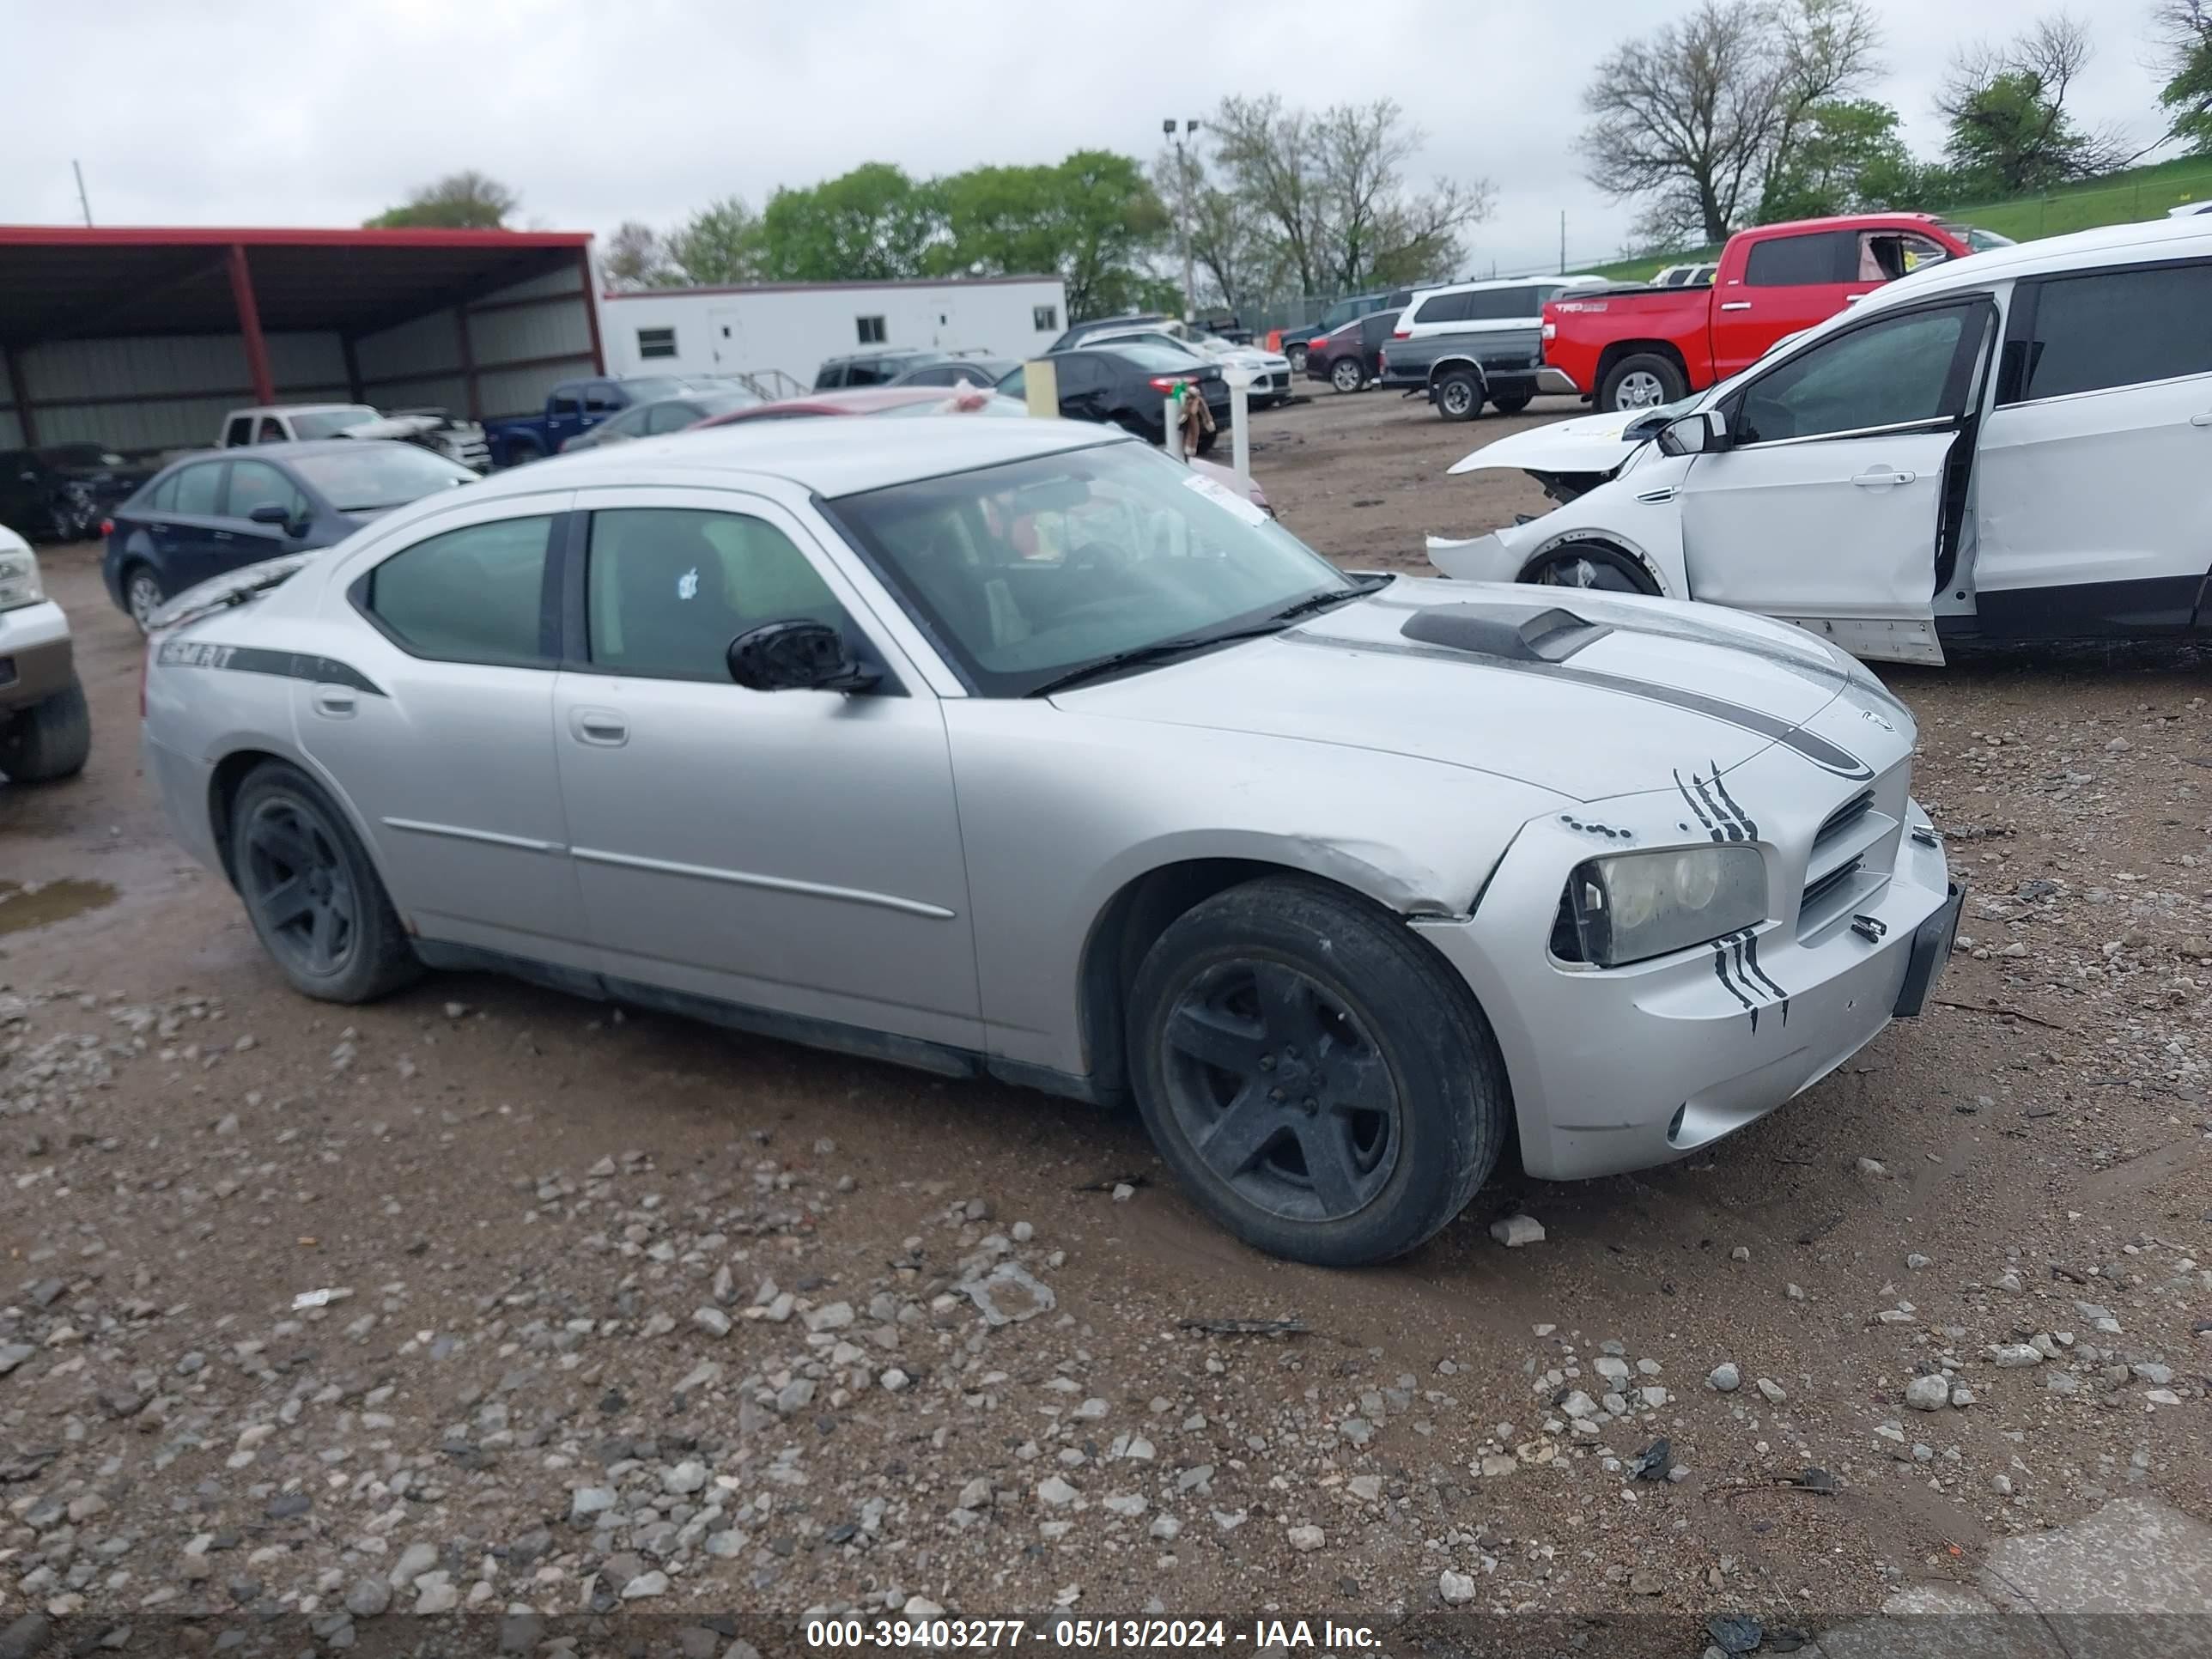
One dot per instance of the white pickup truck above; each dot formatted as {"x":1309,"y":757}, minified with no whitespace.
{"x":460,"y":441}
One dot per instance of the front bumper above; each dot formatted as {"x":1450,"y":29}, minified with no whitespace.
{"x":36,"y":658}
{"x":1621,"y":1069}
{"x":1558,"y":381}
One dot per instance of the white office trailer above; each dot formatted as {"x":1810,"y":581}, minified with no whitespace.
{"x":788,"y":329}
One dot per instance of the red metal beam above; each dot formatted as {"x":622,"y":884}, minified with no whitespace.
{"x":468,"y":362}
{"x":20,"y":393}
{"x":249,"y":326}
{"x":591,"y":298}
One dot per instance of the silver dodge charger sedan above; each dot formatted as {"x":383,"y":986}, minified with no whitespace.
{"x":1012,"y":747}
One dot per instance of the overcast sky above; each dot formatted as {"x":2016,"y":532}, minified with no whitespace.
{"x":239,"y":113}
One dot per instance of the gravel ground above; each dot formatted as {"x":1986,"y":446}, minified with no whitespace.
{"x":485,"y":1298}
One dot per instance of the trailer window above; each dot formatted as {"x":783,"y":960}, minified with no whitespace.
{"x":656,"y":342}
{"x":871,"y":330}
{"x":1044,"y":318}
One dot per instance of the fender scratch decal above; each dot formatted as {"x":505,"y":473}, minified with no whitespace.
{"x":254,"y":660}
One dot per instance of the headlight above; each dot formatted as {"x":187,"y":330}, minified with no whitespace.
{"x":19,"y":580}
{"x":1638,"y":905}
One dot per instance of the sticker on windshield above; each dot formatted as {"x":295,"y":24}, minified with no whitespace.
{"x":1221,"y":495}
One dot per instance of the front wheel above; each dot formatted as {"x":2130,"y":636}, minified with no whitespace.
{"x":1590,"y":565}
{"x":315,"y":901}
{"x":1319,"y":1084}
{"x":49,"y":739}
{"x":1459,"y":396}
{"x":1345,"y":375}
{"x":1644,"y":381}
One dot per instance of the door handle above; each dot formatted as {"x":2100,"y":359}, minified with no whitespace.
{"x":1881,"y":477}
{"x":2205,"y":419}
{"x":224,"y":535}
{"x":1736,"y":305}
{"x":334,"y":701}
{"x":603,"y":726}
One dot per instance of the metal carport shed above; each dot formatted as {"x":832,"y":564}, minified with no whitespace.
{"x":141,"y":339}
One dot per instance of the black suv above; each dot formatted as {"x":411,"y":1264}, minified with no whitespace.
{"x":1126,"y":385}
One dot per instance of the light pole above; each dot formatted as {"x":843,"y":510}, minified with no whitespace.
{"x":1182,"y":194}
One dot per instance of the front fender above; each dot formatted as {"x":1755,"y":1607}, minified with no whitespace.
{"x":1635,"y":513}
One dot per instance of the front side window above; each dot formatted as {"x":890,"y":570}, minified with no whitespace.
{"x":257,"y":484}
{"x":1825,"y":256}
{"x":656,"y":342}
{"x":239,"y":431}
{"x":470,"y":595}
{"x":1024,"y":571}
{"x":2116,"y":328}
{"x":563,"y":403}
{"x":871,"y":330}
{"x":1888,"y":374}
{"x":199,"y":490}
{"x":668,"y":588}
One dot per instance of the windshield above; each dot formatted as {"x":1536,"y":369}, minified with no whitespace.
{"x":379,"y":475}
{"x":1154,"y":358}
{"x":1024,"y":571}
{"x":330,"y":423}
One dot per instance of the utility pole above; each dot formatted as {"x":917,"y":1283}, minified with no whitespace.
{"x":1562,"y":241}
{"x":1182,"y":194}
{"x":83,"y":200}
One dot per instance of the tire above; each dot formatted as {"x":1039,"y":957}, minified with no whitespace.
{"x":1459,"y":395}
{"x":1512,"y":405}
{"x":315,"y":901}
{"x":1296,"y":354}
{"x":143,"y":593}
{"x":1590,"y":565}
{"x":520,"y":452}
{"x":1346,"y":374}
{"x":1379,"y":1019}
{"x":48,"y":740}
{"x":1645,"y":380}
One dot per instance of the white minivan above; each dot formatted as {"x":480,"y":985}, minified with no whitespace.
{"x":1490,"y":307}
{"x":2008,"y":447}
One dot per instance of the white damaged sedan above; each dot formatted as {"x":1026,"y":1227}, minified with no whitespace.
{"x":1011,"y":748}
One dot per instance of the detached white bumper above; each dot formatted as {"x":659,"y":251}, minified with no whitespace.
{"x":1477,"y":559}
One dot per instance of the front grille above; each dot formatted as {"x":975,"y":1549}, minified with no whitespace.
{"x":1820,"y":886}
{"x":1844,"y":818}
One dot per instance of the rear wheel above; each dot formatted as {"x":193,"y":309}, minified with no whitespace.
{"x":1459,"y":395}
{"x":48,"y":740}
{"x":1345,"y":375}
{"x":1590,"y":565}
{"x":141,"y":594}
{"x":1296,"y":354}
{"x":1643,"y":381}
{"x":1319,"y":1084}
{"x":314,"y":899}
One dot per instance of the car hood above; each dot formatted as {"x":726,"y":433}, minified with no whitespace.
{"x":1653,"y":691}
{"x":1588,"y":443}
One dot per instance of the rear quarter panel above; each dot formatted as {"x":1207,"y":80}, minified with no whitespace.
{"x":1584,"y":324}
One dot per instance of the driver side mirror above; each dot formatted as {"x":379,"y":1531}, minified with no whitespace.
{"x":1704,"y":433}
{"x":272,"y":513}
{"x":797,"y":656}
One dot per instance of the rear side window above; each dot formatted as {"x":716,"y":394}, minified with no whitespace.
{"x":600,"y":399}
{"x":471,"y":595}
{"x":1496,"y":305}
{"x":1445,"y":308}
{"x":162,"y":497}
{"x":199,"y":490}
{"x":2121,"y":328}
{"x":668,"y":588}
{"x":1827,"y":256}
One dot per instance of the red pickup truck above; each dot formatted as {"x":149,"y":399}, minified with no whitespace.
{"x":1633,"y":348}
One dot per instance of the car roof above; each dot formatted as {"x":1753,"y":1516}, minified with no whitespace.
{"x":825,"y":456}
{"x":291,"y":449}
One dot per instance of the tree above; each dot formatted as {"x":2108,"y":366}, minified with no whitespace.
{"x":636,"y":256}
{"x":2183,"y":29}
{"x":873,"y":224}
{"x":1093,"y":219}
{"x":722,"y":244}
{"x":1323,"y":197}
{"x":1701,"y":115}
{"x":2010,"y":131}
{"x":1847,"y":156}
{"x":467,"y":200}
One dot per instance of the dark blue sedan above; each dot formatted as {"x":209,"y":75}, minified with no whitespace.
{"x":209,"y":514}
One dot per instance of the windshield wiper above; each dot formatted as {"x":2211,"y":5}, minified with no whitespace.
{"x":1159,"y":651}
{"x":1328,"y":596}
